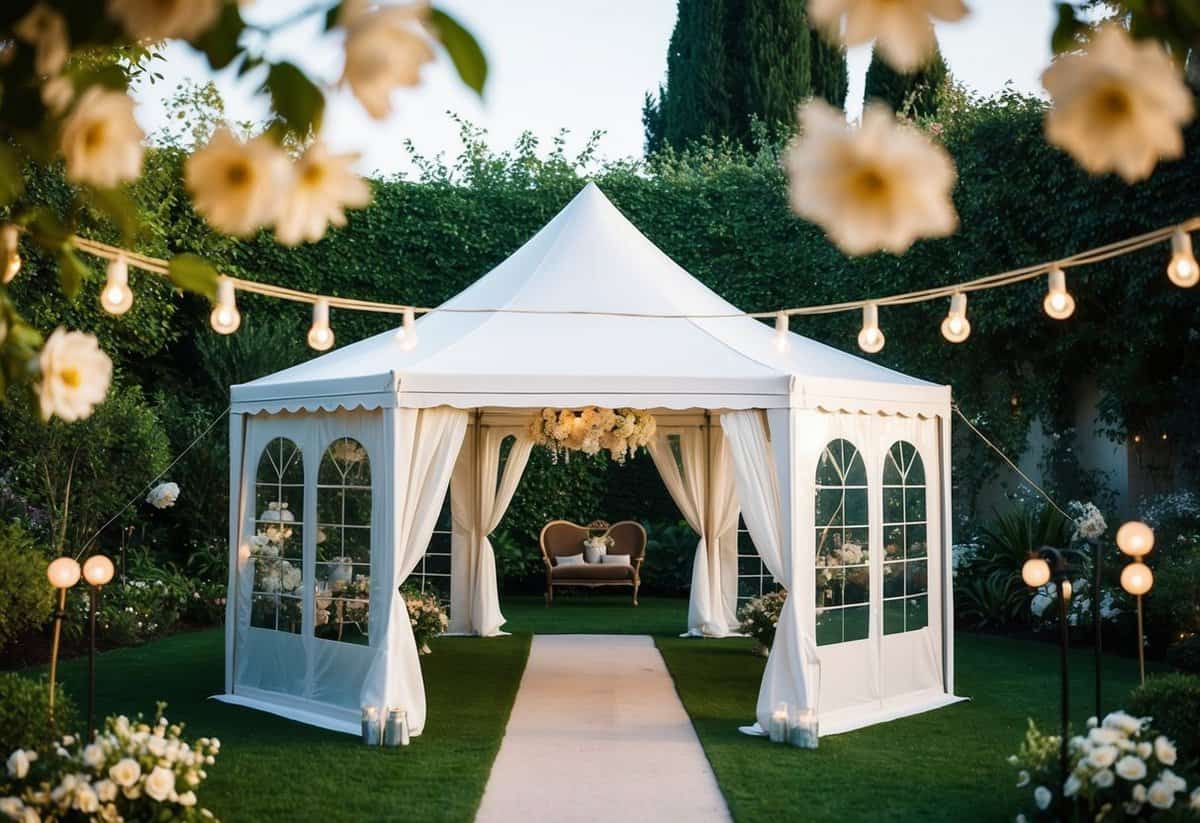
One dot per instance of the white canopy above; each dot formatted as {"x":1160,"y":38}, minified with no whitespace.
{"x":339,"y":468}
{"x":561,"y":323}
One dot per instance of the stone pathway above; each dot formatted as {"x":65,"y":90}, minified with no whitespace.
{"x":598,"y":733}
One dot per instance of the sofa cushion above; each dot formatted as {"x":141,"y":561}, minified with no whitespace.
{"x":569,"y":560}
{"x":615,"y":560}
{"x":592,"y":572}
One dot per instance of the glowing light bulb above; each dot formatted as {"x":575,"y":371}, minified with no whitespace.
{"x":1183,"y":270}
{"x":956,"y":327}
{"x":225,"y":317}
{"x":781,"y":332}
{"x":63,"y":572}
{"x":1135,"y":538}
{"x":8,"y":247}
{"x":1035,"y":572}
{"x":97,"y":570}
{"x":870,"y":339}
{"x":1059,"y":303}
{"x":1136,"y":578}
{"x":408,"y":332}
{"x":116,"y":297}
{"x":1067,"y":589}
{"x":320,"y":336}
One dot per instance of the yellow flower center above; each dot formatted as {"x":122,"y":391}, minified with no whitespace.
{"x":1112,"y":105}
{"x":93,"y":136}
{"x":238,"y":174}
{"x":869,"y":184}
{"x":71,"y":377}
{"x":313,"y":175}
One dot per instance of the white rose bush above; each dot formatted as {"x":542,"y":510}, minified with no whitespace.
{"x":426,"y":615}
{"x":1121,"y":769}
{"x":133,"y":770}
{"x":65,"y":72}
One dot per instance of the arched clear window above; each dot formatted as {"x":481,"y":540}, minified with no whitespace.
{"x":843,"y":555}
{"x":342,"y":596}
{"x":277,"y":547}
{"x":905,"y":554}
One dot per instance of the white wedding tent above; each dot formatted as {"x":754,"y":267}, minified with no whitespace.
{"x":340,"y":466}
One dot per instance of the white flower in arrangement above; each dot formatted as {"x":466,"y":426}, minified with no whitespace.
{"x":1131,"y":768}
{"x":74,"y":375}
{"x":1120,"y":105}
{"x":323,"y":185}
{"x":385,"y":49}
{"x":1042,"y":796}
{"x":46,"y":30}
{"x":57,"y":93}
{"x":1124,"y":722}
{"x":621,"y":432}
{"x":1089,"y":522}
{"x":880,"y":186}
{"x":101,"y":141}
{"x":1104,"y":778}
{"x":1164,"y":750}
{"x":903,"y":30}
{"x":165,"y":19}
{"x":1194,"y":800}
{"x":163,"y":496}
{"x":1102,"y":757}
{"x":235,"y":184}
{"x":851,"y":554}
{"x":18,"y":763}
{"x":1072,"y":786}
{"x":290,"y":577}
{"x":1041,"y":601}
{"x":106,"y":790}
{"x":1023,"y":778}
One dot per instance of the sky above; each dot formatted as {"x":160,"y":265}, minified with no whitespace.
{"x":556,"y":65}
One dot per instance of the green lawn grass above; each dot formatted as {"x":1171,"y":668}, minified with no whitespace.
{"x":943,"y":765}
{"x":590,"y":612}
{"x":273,"y":769}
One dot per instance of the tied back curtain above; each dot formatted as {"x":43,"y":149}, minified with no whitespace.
{"x":477,"y":505}
{"x":701,"y":483}
{"x":424,"y":445}
{"x":786,"y":678}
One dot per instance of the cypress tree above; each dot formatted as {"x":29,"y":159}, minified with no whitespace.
{"x":732,"y":61}
{"x":915,"y":95}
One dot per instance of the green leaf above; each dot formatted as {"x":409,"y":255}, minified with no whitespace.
{"x":192,"y":273}
{"x":331,"y":16}
{"x":46,"y":229}
{"x":71,"y":271}
{"x":1066,"y":30}
{"x":120,"y":208}
{"x":220,"y":43}
{"x":296,"y":99}
{"x":463,"y":48}
{"x":11,"y":181}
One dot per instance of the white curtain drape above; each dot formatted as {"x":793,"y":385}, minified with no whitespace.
{"x":477,"y":505}
{"x":424,"y":445}
{"x":787,"y":678}
{"x":701,"y":482}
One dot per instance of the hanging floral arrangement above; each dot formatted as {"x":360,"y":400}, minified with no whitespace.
{"x":621,"y":432}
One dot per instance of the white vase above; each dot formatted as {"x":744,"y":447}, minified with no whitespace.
{"x":594,"y":554}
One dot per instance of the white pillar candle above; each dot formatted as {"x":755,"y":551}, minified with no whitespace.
{"x":802,"y":728}
{"x":777,"y":732}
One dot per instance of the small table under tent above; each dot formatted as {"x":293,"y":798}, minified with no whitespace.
{"x":839,"y":468}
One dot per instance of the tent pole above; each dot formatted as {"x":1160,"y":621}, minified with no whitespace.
{"x":476,"y":536}
{"x":706,"y":524}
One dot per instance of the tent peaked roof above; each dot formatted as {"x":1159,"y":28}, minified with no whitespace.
{"x":563,"y":322}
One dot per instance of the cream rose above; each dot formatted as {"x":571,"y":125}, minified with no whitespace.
{"x":385,"y":49}
{"x":74,"y":375}
{"x":125,"y":772}
{"x":106,"y":790}
{"x":164,"y":19}
{"x":237,"y":186}
{"x":101,"y":141}
{"x":1102,"y":757}
{"x":323,"y":186}
{"x":18,"y":763}
{"x":1164,"y":750}
{"x":1131,"y":768}
{"x":1161,"y":795}
{"x":902,"y":31}
{"x":160,"y":783}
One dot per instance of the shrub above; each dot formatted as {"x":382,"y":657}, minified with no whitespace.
{"x":993,"y":602}
{"x":1011,"y":536}
{"x":1185,"y":655}
{"x":670,"y":553}
{"x":24,"y":592}
{"x":1173,"y":606}
{"x":759,"y":617}
{"x":131,"y":613}
{"x":1173,"y":700}
{"x":25,"y":713}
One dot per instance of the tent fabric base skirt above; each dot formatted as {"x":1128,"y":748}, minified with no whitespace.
{"x":272,"y":705}
{"x":853,"y":718}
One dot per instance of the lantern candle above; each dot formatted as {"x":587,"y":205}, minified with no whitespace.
{"x":777,"y":732}
{"x":405,"y":739}
{"x":802,"y":729}
{"x":393,"y":729}
{"x":370,"y":725}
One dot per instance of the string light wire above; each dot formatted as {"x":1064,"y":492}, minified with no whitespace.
{"x":1090,"y":257}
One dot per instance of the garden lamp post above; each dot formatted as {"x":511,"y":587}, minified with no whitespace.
{"x":63,"y":573}
{"x":97,"y":570}
{"x":1136,"y":540}
{"x":1046,"y":565}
